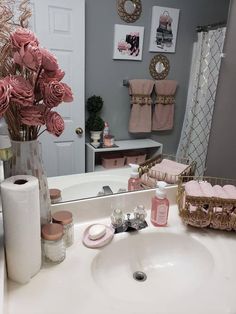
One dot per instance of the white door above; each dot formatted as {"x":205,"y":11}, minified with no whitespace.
{"x":60,"y":27}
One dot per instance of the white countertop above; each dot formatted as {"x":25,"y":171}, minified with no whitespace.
{"x":68,"y":287}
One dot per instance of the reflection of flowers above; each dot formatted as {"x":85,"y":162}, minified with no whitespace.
{"x":31,"y":81}
{"x":130,"y":45}
{"x":54,"y":123}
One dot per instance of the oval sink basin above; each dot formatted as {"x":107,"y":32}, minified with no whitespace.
{"x":175,"y":264}
{"x":91,"y":186}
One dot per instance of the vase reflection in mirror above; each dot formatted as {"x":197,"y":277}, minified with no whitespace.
{"x":27,"y":159}
{"x":95,"y":138}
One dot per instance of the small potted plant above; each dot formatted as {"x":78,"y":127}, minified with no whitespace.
{"x":95,"y":123}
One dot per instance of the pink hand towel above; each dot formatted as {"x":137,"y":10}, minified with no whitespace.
{"x":230,"y":190}
{"x":207,"y":189}
{"x":141,"y":109}
{"x":163,"y":115}
{"x":192,"y":188}
{"x":148,"y":181}
{"x":169,"y":168}
{"x":219,"y":192}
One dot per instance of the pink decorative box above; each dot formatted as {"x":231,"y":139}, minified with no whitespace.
{"x":113,"y":162}
{"x":135,"y":159}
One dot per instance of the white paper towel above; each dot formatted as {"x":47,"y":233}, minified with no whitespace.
{"x":21,"y":218}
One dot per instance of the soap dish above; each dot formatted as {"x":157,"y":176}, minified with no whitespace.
{"x":94,"y":244}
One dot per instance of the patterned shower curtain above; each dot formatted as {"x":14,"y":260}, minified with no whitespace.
{"x":204,"y":75}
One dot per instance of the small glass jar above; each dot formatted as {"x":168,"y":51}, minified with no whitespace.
{"x":65,"y":218}
{"x":53,"y":247}
{"x":55,"y":195}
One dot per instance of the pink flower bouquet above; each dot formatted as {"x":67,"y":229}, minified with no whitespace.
{"x":30,"y":82}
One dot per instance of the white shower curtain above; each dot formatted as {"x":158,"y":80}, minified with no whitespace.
{"x":204,"y":75}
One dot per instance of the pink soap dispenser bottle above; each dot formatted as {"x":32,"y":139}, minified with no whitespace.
{"x":134,"y":180}
{"x":160,"y":206}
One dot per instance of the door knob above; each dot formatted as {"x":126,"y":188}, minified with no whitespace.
{"x":79,"y":131}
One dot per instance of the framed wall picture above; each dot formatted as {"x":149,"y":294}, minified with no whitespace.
{"x":164,"y":29}
{"x":128,"y":42}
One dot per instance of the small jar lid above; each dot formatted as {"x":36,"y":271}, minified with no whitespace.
{"x":54,"y":194}
{"x":52,"y":231}
{"x":63,"y":217}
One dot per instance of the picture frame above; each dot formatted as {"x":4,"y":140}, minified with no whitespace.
{"x":164,"y":28}
{"x":128,"y":42}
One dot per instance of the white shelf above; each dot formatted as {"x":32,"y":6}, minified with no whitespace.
{"x":152,"y":146}
{"x":127,"y":145}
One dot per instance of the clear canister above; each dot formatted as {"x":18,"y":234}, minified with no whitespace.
{"x":66,"y":220}
{"x":53,"y":246}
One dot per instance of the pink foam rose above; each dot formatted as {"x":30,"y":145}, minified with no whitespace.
{"x":48,"y":76}
{"x":54,"y":75}
{"x":53,"y":93}
{"x":22,"y":91}
{"x":28,"y":56}
{"x":54,"y":123}
{"x":49,"y":61}
{"x":22,"y":37}
{"x":32,"y":115}
{"x":68,"y":97}
{"x":5,"y":92}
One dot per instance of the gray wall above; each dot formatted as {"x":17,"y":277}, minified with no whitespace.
{"x":104,"y":75}
{"x":221,"y":159}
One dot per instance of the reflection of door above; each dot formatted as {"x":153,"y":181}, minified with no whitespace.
{"x":59,"y":26}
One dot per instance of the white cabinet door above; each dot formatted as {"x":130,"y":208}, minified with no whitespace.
{"x":60,"y":27}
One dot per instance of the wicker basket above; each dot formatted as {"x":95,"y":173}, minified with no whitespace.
{"x":202,"y":212}
{"x":146,"y":166}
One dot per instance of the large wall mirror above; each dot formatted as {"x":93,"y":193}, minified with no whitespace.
{"x":64,"y":156}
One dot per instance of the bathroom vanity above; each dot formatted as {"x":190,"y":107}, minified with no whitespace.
{"x":187,"y":270}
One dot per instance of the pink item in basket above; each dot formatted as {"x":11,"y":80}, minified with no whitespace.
{"x":230,"y":190}
{"x":170,"y":168}
{"x":219,"y":192}
{"x":148,"y":181}
{"x":112,"y":162}
{"x":207,"y":189}
{"x":192,"y":188}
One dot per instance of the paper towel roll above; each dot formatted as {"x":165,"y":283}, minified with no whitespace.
{"x":21,"y":218}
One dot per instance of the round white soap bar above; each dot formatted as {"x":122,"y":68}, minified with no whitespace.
{"x":96,"y":232}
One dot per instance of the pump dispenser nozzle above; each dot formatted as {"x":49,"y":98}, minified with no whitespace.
{"x":160,"y":191}
{"x":134,"y":170}
{"x":134,"y":180}
{"x":161,"y":185}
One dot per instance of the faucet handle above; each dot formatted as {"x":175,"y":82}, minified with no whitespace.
{"x":117,"y":218}
{"x":140,"y":213}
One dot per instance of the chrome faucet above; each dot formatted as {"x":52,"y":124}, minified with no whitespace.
{"x":107,"y":190}
{"x":124,"y":223}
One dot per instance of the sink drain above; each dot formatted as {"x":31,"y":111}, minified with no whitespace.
{"x":139,"y":276}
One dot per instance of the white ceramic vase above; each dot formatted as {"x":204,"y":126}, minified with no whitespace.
{"x":95,"y":137}
{"x":27,"y":159}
